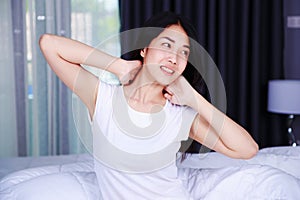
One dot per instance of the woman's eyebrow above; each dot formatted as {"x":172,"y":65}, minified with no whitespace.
{"x":173,"y":41}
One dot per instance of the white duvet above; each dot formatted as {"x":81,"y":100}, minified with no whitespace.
{"x":273,"y":174}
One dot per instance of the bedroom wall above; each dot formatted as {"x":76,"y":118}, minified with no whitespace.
{"x":292,"y":47}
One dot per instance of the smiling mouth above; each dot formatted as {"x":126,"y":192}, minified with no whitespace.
{"x":167,"y":70}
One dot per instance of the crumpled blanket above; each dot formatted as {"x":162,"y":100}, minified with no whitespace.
{"x":269,"y":175}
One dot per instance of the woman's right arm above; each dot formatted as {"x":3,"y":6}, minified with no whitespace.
{"x":65,"y":57}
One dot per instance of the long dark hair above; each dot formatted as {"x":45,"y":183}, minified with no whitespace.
{"x":144,"y":36}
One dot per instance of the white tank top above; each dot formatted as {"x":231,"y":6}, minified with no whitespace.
{"x":135,"y":152}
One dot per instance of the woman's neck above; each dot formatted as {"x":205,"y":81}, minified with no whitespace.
{"x":144,"y":92}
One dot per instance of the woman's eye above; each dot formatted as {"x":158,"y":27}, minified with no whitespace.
{"x":165,"y":44}
{"x":185,"y":53}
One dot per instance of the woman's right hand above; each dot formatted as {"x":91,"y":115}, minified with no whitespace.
{"x":128,"y":70}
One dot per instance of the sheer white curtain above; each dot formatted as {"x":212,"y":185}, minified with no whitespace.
{"x":37,"y":110}
{"x":8,"y":133}
{"x":96,"y":24}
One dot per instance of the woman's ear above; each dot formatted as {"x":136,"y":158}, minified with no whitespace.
{"x":143,"y":52}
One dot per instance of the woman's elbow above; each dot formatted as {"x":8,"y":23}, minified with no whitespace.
{"x":250,"y":151}
{"x":46,"y":41}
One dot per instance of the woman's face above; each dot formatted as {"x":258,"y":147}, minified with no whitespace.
{"x":166,"y":56}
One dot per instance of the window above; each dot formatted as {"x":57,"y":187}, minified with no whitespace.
{"x":37,"y":109}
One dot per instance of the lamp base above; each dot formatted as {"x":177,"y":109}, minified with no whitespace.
{"x":292,"y":139}
{"x":294,"y":144}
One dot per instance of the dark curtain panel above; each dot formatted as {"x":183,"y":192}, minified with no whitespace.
{"x":245,"y":39}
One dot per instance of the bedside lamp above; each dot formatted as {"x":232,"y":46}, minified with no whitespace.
{"x":284,"y":98}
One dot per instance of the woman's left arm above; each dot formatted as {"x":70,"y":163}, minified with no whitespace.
{"x":211,"y":127}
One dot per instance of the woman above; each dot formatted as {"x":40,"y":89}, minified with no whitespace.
{"x":162,"y":107}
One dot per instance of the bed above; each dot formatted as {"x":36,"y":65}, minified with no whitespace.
{"x":274,"y":173}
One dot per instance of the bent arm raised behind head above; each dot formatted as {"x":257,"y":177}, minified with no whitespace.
{"x":65,"y":57}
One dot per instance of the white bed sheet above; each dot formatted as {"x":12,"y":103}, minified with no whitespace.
{"x":10,"y":165}
{"x":285,"y":158}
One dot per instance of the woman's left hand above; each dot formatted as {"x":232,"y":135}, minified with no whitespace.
{"x":180,"y":92}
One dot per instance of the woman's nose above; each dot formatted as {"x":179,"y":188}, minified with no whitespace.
{"x":172,"y":58}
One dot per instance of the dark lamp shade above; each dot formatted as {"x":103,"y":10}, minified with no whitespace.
{"x":284,"y":96}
